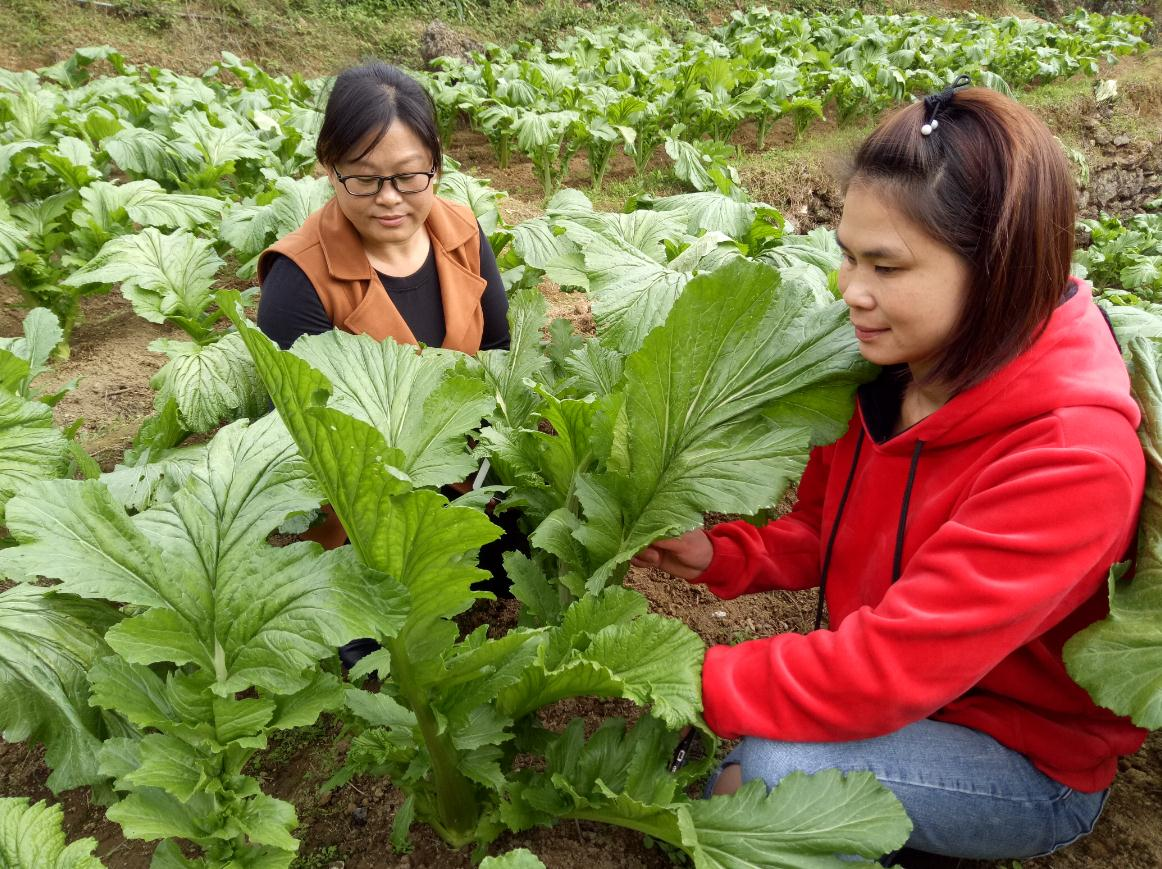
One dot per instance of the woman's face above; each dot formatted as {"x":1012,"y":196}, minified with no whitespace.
{"x":389,"y":218}
{"x":904,"y":289}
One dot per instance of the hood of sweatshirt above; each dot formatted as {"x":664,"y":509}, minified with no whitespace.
{"x":1075,"y":362}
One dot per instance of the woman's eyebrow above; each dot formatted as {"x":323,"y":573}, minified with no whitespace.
{"x":405,"y":158}
{"x":875,"y":252}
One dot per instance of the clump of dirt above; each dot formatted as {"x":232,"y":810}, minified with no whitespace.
{"x":574,"y":307}
{"x":1126,"y":177}
{"x":1123,"y":143}
{"x":440,"y":40}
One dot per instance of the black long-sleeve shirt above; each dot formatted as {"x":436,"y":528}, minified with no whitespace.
{"x":290,"y":307}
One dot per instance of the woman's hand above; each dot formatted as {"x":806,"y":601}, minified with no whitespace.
{"x":685,"y":557}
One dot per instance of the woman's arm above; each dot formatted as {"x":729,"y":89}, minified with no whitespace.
{"x":289,"y":307}
{"x":781,"y":555}
{"x":999,"y":573}
{"x":494,"y":301}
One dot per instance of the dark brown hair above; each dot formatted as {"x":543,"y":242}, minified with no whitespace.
{"x":368,"y":99}
{"x":993,"y":184}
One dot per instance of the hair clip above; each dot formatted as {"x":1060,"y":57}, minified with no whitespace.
{"x":934,"y":103}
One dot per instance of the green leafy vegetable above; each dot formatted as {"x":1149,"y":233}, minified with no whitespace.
{"x":218,"y":611}
{"x":31,"y":838}
{"x":48,"y":642}
{"x":1119,"y":660}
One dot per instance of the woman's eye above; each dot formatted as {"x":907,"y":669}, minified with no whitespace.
{"x":885,"y":270}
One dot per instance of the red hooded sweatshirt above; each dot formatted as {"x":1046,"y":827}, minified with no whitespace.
{"x":999,"y":515}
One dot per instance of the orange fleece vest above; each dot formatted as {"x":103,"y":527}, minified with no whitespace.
{"x":329,"y":251}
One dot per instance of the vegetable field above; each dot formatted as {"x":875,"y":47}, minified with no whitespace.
{"x":167,"y":640}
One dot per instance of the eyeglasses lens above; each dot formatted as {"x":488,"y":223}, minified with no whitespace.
{"x":369,"y":185}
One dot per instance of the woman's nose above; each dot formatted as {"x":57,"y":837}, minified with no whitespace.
{"x":852,"y":290}
{"x":387,"y":193}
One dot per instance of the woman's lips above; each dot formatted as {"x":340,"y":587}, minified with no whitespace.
{"x":864,"y":334}
{"x":390,"y":220}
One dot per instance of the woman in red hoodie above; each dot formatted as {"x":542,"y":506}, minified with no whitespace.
{"x":963,"y":529}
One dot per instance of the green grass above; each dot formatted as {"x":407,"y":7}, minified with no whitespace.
{"x":314,"y":37}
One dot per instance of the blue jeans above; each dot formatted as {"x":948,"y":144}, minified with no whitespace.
{"x":967,"y":795}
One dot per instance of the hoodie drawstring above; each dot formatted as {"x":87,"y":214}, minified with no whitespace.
{"x":898,"y":557}
{"x":835,"y":528}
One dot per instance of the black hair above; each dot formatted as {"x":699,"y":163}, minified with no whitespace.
{"x":367,"y":100}
{"x":992,"y":184}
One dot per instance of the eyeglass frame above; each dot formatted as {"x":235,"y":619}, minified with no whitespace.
{"x":383,"y":179}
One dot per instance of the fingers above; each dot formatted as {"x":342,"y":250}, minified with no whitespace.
{"x":648,"y":557}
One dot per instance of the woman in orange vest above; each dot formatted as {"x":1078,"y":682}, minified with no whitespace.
{"x":385,"y":256}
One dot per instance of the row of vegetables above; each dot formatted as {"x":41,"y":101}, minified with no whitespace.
{"x":638,"y":90}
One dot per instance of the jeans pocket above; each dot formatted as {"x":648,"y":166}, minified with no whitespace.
{"x":1075,"y":814}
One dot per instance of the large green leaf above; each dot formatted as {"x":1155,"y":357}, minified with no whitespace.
{"x":209,"y":383}
{"x":609,"y":646}
{"x":32,"y":111}
{"x":13,"y":239}
{"x":619,"y":776}
{"x":422,"y":404}
{"x":508,"y":372}
{"x":706,"y":211}
{"x":31,"y":838}
{"x":48,"y":642}
{"x":71,"y":160}
{"x":161,"y":275}
{"x":812,"y":822}
{"x":214,"y":592}
{"x":1119,"y":660}
{"x":648,"y":231}
{"x":146,"y":203}
{"x":539,"y":245}
{"x":631,"y":292}
{"x":412,"y":535}
{"x":250,"y":228}
{"x":30,"y":448}
{"x":520,"y":858}
{"x":199,"y":141}
{"x":139,"y":486}
{"x":722,"y":405}
{"x":143,"y":152}
{"x":476,"y":194}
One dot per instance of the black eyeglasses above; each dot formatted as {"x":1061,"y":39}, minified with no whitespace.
{"x":370,"y":185}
